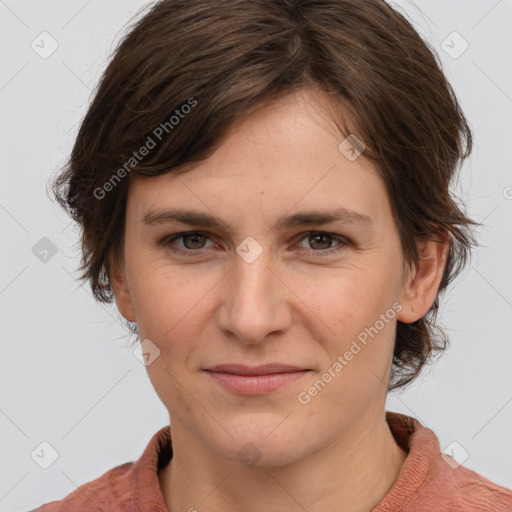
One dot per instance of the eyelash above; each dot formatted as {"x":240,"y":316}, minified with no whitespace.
{"x":342,"y":243}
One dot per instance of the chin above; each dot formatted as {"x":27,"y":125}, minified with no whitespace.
{"x":260,"y":444}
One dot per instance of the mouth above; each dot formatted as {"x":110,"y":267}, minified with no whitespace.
{"x":255,"y":380}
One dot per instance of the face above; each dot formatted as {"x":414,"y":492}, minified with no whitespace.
{"x":266,"y":283}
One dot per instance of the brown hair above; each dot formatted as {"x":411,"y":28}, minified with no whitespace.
{"x":224,"y":59}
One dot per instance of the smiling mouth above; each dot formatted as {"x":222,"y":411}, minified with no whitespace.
{"x":257,"y":380}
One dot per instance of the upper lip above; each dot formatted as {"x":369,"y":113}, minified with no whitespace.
{"x":265,"y":369}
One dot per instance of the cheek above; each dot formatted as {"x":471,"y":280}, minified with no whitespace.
{"x":360,"y":309}
{"x":173,"y":305}
{"x":357,"y":354}
{"x":351,"y":300}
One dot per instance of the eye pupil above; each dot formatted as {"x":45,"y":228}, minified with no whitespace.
{"x":320,"y":236}
{"x":193,"y":242}
{"x":193,"y":235}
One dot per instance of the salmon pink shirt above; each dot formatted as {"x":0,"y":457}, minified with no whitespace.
{"x":429,"y":481}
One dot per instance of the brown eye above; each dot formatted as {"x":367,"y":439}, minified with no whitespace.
{"x":191,"y":245}
{"x":193,"y":241}
{"x":320,"y":243}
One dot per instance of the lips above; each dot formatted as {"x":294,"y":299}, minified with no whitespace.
{"x":265,"y":369}
{"x":255,"y":380}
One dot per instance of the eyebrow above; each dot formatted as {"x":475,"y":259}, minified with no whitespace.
{"x":304,"y":218}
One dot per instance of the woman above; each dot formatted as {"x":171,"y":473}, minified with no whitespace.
{"x":263,"y":189}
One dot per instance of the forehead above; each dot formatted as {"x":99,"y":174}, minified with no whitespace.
{"x":283,"y":156}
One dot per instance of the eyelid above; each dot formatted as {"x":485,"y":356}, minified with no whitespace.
{"x":339,"y":238}
{"x":170,"y":238}
{"x":343,"y":242}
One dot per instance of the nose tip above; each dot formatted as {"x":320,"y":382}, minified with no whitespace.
{"x":254,"y":305}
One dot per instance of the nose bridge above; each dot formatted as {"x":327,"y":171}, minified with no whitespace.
{"x":254,"y":303}
{"x":253,"y":277}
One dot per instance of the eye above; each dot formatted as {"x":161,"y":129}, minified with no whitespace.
{"x":321,"y":247}
{"x":194,"y":243}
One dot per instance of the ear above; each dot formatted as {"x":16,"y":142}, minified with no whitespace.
{"x":117,"y":277}
{"x":422,"y":284}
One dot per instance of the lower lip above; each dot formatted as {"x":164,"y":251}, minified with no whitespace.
{"x":256,"y":384}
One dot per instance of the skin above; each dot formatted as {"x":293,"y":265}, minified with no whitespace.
{"x":291,"y":305}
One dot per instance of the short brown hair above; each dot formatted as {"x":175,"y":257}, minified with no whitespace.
{"x":226,"y":58}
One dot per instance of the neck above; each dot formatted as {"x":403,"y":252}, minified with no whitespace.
{"x":352,"y":474}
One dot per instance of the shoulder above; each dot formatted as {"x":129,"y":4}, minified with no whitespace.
{"x":433,"y":481}
{"x":130,"y":486}
{"x":111,"y":488}
{"x":462,"y":489}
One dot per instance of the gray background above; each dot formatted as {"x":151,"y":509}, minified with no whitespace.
{"x":66,"y":374}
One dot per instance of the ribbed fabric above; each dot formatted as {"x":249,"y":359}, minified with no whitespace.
{"x":426,"y":482}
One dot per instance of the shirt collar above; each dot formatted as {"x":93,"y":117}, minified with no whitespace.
{"x":419,"y":442}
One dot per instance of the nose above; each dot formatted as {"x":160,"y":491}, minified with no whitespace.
{"x":255,"y":301}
